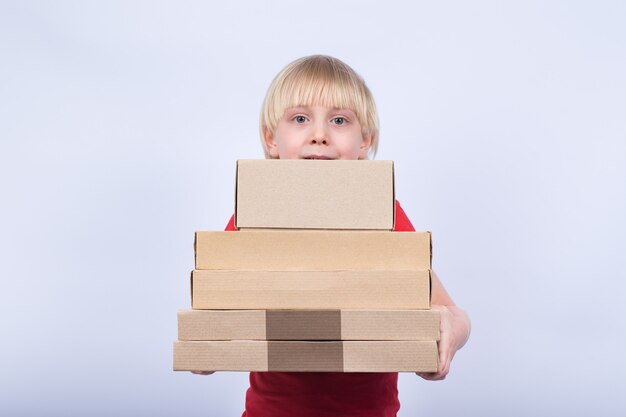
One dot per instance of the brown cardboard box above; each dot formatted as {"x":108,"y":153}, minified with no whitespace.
{"x":308,"y":325}
{"x":281,"y":356}
{"x":275,"y":290}
{"x":312,"y":194}
{"x":313,"y":250}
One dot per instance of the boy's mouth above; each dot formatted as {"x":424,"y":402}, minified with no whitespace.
{"x":322,"y":157}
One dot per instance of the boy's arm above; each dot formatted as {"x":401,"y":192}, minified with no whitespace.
{"x":455,"y":329}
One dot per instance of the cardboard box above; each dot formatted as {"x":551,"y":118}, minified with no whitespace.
{"x":314,"y":194}
{"x":301,"y":290}
{"x":308,"y":325}
{"x":313,"y":250}
{"x":280,"y":356}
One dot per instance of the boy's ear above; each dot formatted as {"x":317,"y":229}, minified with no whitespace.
{"x":365,"y":146}
{"x":270,"y":144}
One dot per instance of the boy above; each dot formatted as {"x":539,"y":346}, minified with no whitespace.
{"x":319,"y":108}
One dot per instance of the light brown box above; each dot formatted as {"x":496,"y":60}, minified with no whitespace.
{"x":314,"y":194}
{"x":293,"y":356}
{"x":308,"y":325}
{"x":312,"y":250}
{"x":275,"y":290}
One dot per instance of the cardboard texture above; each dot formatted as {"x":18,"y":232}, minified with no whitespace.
{"x":313,"y":194}
{"x":308,"y":325}
{"x":281,"y":356}
{"x":271,"y":290}
{"x":313,"y":250}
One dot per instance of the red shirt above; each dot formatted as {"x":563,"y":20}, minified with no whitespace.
{"x":325,"y":394}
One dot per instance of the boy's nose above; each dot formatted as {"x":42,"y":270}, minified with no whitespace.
{"x":319,"y":141}
{"x":319,"y":135}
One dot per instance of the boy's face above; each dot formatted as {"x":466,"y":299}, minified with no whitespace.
{"x":317,"y":132}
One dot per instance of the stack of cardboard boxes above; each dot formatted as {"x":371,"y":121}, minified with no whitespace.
{"x":314,"y":280}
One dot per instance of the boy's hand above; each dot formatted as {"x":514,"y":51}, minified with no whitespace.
{"x":203,"y":372}
{"x":454,"y":331}
{"x":445,"y":349}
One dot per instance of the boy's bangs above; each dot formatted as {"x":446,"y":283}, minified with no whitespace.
{"x":330,"y":93}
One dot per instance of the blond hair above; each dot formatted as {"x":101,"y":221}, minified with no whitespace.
{"x":319,"y":80}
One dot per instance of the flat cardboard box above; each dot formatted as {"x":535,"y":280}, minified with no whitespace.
{"x":302,"y":290}
{"x":308,"y":325}
{"x":300,"y":356}
{"x":314,"y":194}
{"x":312,"y":250}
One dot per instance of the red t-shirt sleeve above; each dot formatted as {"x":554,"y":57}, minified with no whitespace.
{"x":403,"y":224}
{"x":231,"y":224}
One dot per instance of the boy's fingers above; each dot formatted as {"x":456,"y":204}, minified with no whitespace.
{"x":444,"y":351}
{"x":443,"y":357}
{"x":444,"y":360}
{"x":431,"y":376}
{"x":444,"y":345}
{"x":442,"y":372}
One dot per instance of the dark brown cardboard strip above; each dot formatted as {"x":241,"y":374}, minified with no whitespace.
{"x":303,"y":324}
{"x":304,"y":356}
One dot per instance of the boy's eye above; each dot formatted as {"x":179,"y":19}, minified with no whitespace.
{"x":339,"y":121}
{"x":299,"y":119}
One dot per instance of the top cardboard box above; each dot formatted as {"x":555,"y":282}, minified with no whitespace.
{"x":313,"y":194}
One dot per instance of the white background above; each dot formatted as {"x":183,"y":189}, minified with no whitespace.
{"x":120,"y":124}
